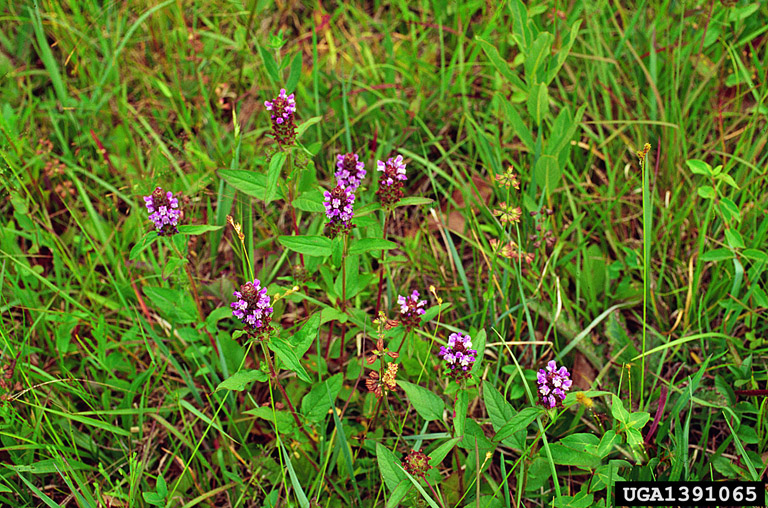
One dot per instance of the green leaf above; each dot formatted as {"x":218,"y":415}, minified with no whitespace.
{"x":536,"y":57}
{"x":754,"y":254}
{"x":717,"y":254}
{"x":519,"y":127}
{"x":287,"y":355}
{"x":499,"y":410}
{"x":238,"y":380}
{"x":478,"y":343}
{"x":295,"y":75}
{"x":617,"y":409}
{"x":437,"y":455}
{"x":414,"y":200}
{"x":538,"y":103}
{"x":608,"y":474}
{"x":728,"y":179}
{"x":297,"y":488}
{"x":429,"y":405}
{"x":315,"y":404}
{"x":582,"y":499}
{"x":475,"y":439}
{"x":729,"y":209}
{"x":580,"y":450}
{"x":303,"y":339}
{"x":310,"y":201}
{"x":699,"y":167}
{"x":270,"y":65}
{"x":521,"y":28}
{"x":337,"y":252}
{"x":638,"y":419}
{"x":607,"y":442}
{"x":273,"y":175}
{"x":734,"y":239}
{"x":462,"y":405}
{"x":368,"y":209}
{"x":308,"y":245}
{"x":198,"y":230}
{"x":283,"y":420}
{"x":399,"y":493}
{"x":176,"y":305}
{"x":707,"y":192}
{"x":562,"y":53}
{"x":500,"y":64}
{"x":248,"y":182}
{"x":518,"y":422}
{"x":369,"y":244}
{"x":306,"y":124}
{"x":143,"y":244}
{"x":389,"y":465}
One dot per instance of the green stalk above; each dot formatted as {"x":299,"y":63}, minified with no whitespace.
{"x":195,"y":295}
{"x":646,"y":259}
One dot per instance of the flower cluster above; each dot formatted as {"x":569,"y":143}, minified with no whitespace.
{"x":253,"y":306}
{"x":350,"y":171}
{"x":411,"y":309}
{"x":339,"y":209}
{"x":507,"y":213}
{"x":282,"y":109}
{"x":458,"y":355}
{"x":381,"y":351}
{"x":511,"y":251}
{"x":164,"y":211}
{"x":387,"y":382}
{"x":417,"y":463}
{"x":392,"y":181}
{"x":542,"y":235}
{"x":508,"y":179}
{"x":553,"y":383}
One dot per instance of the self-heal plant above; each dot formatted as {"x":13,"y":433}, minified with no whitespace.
{"x":411,"y":309}
{"x":458,"y":355}
{"x":390,"y":192}
{"x":339,"y":209}
{"x":253,"y":307}
{"x":163,"y":208}
{"x":350,"y":171}
{"x":282,"y":109}
{"x":553,"y":383}
{"x":392,"y":181}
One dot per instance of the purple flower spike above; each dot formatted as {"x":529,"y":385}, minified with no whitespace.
{"x":553,"y":383}
{"x":351,"y":171}
{"x":253,"y":306}
{"x":392,"y":181}
{"x":458,"y":355}
{"x":164,"y":211}
{"x":411,"y":309}
{"x":282,"y":109}
{"x":339,"y":205}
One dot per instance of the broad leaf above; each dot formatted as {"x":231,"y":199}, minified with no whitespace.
{"x":428,"y":404}
{"x":307,"y":245}
{"x":239,"y":380}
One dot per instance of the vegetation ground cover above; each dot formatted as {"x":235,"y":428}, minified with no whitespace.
{"x":574,"y":191}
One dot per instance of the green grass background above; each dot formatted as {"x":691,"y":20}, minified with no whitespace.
{"x":136,"y":94}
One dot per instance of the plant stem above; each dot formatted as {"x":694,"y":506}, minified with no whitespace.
{"x":273,"y":376}
{"x":342,"y":352}
{"x":381,"y":267}
{"x":292,"y":189}
{"x":439,"y":500}
{"x":646,"y":255}
{"x":195,"y":295}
